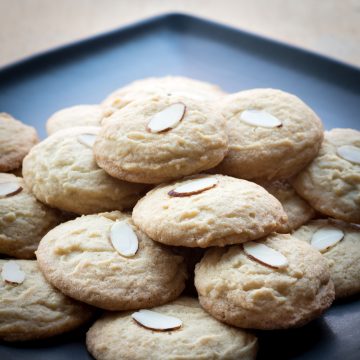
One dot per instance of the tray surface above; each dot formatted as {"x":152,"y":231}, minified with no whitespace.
{"x":179,"y":44}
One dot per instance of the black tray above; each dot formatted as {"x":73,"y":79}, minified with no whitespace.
{"x":184,"y":45}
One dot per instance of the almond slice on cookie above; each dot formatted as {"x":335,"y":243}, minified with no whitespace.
{"x":265,"y":255}
{"x":156,"y":321}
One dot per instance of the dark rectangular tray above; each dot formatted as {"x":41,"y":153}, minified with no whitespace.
{"x":179,"y":44}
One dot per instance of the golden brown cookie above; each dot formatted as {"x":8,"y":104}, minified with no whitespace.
{"x":30,"y":308}
{"x":339,"y":243}
{"x":275,"y":283}
{"x":61,"y":171}
{"x":16,"y":140}
{"x":208,"y":210}
{"x":161,"y":138}
{"x":119,"y":336}
{"x":78,"y":115}
{"x":297,"y":209}
{"x":85,"y":259}
{"x":272,"y":135}
{"x":23,"y":219}
{"x":331,"y":183}
{"x":196,"y":89}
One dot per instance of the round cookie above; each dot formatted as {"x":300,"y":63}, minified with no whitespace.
{"x":239,"y":290}
{"x":199,"y":90}
{"x":16,"y":140}
{"x":129,"y":147}
{"x":297,"y":209}
{"x":61,"y":171}
{"x":272,"y":135}
{"x":119,"y":336}
{"x":34,"y":309}
{"x":343,"y":257}
{"x":23,"y":219}
{"x":79,"y":258}
{"x":331,"y":183}
{"x":228,"y":211}
{"x":79,"y":115}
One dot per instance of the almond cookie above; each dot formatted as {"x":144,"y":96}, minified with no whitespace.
{"x":161,"y":138}
{"x":208,"y":210}
{"x":61,"y":171}
{"x":106,"y":261}
{"x":79,"y":115}
{"x":16,"y":140}
{"x":331,"y":183}
{"x":275,"y":283}
{"x":191,"y":334}
{"x":339,"y":243}
{"x":30,"y":308}
{"x":272,"y":135}
{"x":297,"y":209}
{"x":23,"y":219}
{"x":198,"y":90}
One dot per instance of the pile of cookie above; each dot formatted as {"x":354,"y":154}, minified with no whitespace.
{"x":171,"y":183}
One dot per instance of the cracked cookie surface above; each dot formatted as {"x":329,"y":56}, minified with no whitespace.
{"x":269,"y":153}
{"x":200,"y":337}
{"x":240,"y":291}
{"x":233,"y":211}
{"x":78,"y":258}
{"x":23,"y":221}
{"x":331,"y":184}
{"x":343,"y":258}
{"x":34,"y":309}
{"x":127,"y":150}
{"x":16,"y":140}
{"x":62,"y":172}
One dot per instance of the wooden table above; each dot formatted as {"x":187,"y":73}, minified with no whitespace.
{"x":329,"y":27}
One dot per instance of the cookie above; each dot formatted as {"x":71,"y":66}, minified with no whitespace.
{"x":161,"y":138}
{"x":276,"y":283}
{"x":297,"y":209}
{"x":30,"y":308}
{"x":119,"y":336}
{"x":339,"y":243}
{"x":23,"y":219}
{"x":79,"y":115}
{"x":331,"y":183}
{"x":272,"y":135}
{"x":208,"y":210}
{"x":85,"y":258}
{"x":61,"y":171}
{"x":196,"y":89}
{"x":16,"y":140}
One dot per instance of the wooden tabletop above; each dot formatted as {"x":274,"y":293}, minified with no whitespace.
{"x":329,"y":27}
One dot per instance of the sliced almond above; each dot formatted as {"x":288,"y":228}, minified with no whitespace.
{"x":265,"y":255}
{"x":11,"y":273}
{"x":124,"y":239}
{"x":9,"y":188}
{"x":326,"y":237}
{"x":167,"y":118}
{"x":87,"y":140}
{"x":156,"y":321}
{"x":194,"y":187}
{"x":7,"y":177}
{"x":349,"y":153}
{"x":260,"y":118}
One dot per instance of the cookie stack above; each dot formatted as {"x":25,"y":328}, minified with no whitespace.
{"x":171,"y":183}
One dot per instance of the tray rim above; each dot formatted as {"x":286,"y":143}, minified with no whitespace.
{"x":162,"y":19}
